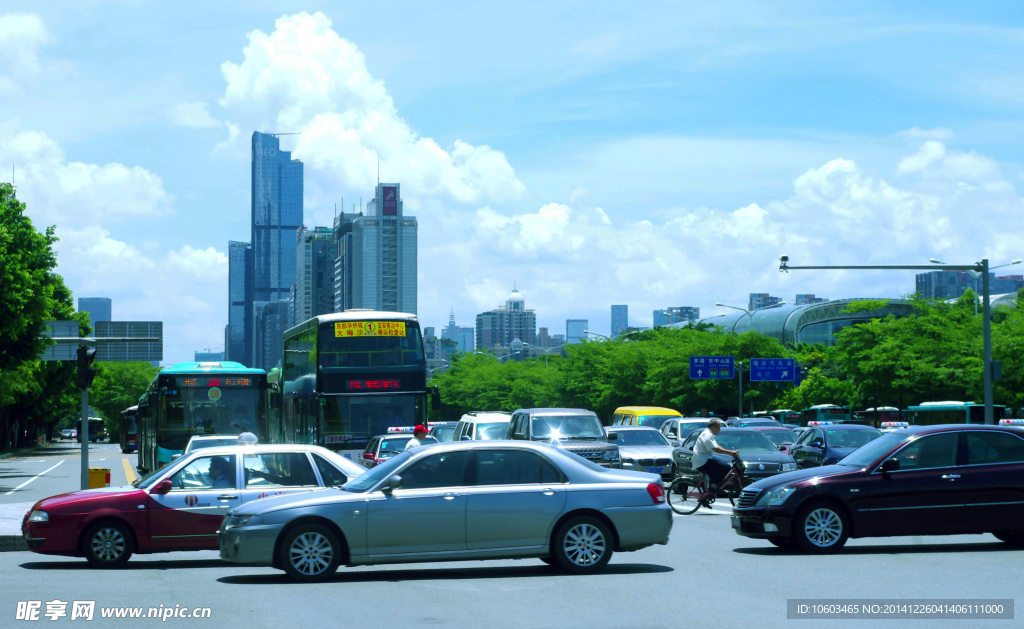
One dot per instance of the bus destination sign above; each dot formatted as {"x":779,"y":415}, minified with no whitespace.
{"x":373,"y":385}
{"x":369,"y":328}
{"x":206,"y":382}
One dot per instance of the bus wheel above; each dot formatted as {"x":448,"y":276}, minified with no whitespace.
{"x":108,"y":544}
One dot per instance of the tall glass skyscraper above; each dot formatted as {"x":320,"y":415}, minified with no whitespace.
{"x":238,"y":336}
{"x":276,"y":215}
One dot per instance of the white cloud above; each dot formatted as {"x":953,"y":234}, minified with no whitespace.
{"x":303,"y":77}
{"x":208,"y":265}
{"x":21,"y":37}
{"x":927,"y":155}
{"x":938,"y":133}
{"x":194,"y":115}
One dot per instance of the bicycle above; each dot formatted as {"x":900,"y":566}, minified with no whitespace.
{"x":685,"y":498}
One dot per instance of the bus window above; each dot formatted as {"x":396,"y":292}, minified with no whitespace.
{"x":397,"y":346}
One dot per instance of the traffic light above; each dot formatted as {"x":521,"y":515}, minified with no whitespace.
{"x":85,"y":372}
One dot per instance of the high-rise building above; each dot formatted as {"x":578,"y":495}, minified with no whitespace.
{"x":462,"y":335}
{"x":209,"y":357}
{"x":504,"y":324}
{"x":807,"y":299}
{"x":762,"y":300}
{"x":377,"y":259}
{"x":945,"y":284}
{"x":238,"y":336}
{"x":575,"y":330}
{"x":675,"y":314}
{"x":620,"y":320}
{"x":314,"y":275}
{"x":547,"y":341}
{"x":1006,"y":284}
{"x":98,"y":308}
{"x":343,"y":225}
{"x":270,"y":320}
{"x":276,"y":214}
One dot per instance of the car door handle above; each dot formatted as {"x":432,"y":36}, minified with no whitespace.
{"x":950,"y":476}
{"x":449,"y":496}
{"x":227,"y":497}
{"x":548,"y":491}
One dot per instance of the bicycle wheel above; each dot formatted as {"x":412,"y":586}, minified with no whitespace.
{"x":679,"y":497}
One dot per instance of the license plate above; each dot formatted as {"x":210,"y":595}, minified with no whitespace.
{"x":735,"y":522}
{"x":655,"y":470}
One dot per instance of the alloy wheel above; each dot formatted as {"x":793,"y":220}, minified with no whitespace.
{"x":584,"y":545}
{"x":823,"y":527}
{"x":311,"y":553}
{"x":108,"y":544}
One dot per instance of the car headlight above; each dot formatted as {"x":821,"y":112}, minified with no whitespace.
{"x":248,"y":520}
{"x":39,"y":516}
{"x":611,"y":455}
{"x":628,"y":463}
{"x":789,"y":467}
{"x":775,"y":496}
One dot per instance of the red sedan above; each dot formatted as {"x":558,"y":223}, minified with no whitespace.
{"x":179,"y":507}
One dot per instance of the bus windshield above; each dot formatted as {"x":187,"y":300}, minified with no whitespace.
{"x":370,"y":344}
{"x":354,"y":419}
{"x":197,"y":405}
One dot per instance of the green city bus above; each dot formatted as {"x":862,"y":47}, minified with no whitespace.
{"x":933,"y":413}
{"x":825,"y":413}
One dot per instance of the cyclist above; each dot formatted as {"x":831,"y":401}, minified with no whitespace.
{"x":706,"y":445}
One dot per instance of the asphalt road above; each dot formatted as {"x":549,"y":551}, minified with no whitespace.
{"x":57,"y":469}
{"x":706,"y":577}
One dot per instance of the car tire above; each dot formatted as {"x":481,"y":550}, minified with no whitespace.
{"x":583,"y":545}
{"x":549,"y":561}
{"x":1013,"y":538}
{"x":108,"y":544}
{"x":786,"y":543}
{"x":820,"y":528}
{"x":310,"y":553}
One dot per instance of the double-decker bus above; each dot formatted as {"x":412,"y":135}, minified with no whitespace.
{"x":351,"y":376}
{"x":825,"y":413}
{"x":212,"y":398}
{"x":932,"y":413}
{"x":129,"y":429}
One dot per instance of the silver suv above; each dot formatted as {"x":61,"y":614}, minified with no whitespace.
{"x":574,"y":430}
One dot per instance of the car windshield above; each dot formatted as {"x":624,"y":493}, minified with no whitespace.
{"x":759,"y":422}
{"x":745,"y":442}
{"x":364,"y":482}
{"x":199,"y":444}
{"x":639,"y":438}
{"x":868,"y":454}
{"x":567,"y":427}
{"x":654,"y":421}
{"x":851,"y":438}
{"x":489,"y":432}
{"x":393,"y":444}
{"x":779,"y":436}
{"x":444,"y":434}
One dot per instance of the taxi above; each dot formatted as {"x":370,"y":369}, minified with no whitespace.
{"x":180,"y":506}
{"x":653,"y":416}
{"x":383,"y":447}
{"x":891,"y":426}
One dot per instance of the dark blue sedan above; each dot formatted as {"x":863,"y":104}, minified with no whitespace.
{"x":825,"y":443}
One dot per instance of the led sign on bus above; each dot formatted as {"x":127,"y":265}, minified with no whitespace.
{"x":372,"y":385}
{"x":369,"y":328}
{"x":215,"y":382}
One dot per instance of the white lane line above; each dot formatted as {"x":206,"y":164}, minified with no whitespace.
{"x":33,"y":478}
{"x":24,"y":461}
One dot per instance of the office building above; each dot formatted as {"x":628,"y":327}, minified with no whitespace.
{"x":343,"y":225}
{"x":675,"y":314}
{"x":314,"y":276}
{"x":762,"y":300}
{"x":238,"y":336}
{"x":276,"y":215}
{"x":575,"y":330}
{"x":377,"y":257}
{"x":462,"y":335}
{"x":953,"y":284}
{"x":1006,"y":284}
{"x":504,"y":324}
{"x":620,"y":320}
{"x":270,"y":320}
{"x":98,"y":308}
{"x":807,"y":299}
{"x":548,"y":340}
{"x":209,"y":357}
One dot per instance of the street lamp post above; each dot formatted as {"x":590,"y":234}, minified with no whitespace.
{"x":978,"y":267}
{"x":589,"y":333}
{"x":545,"y":352}
{"x":750,"y":314}
{"x":975,"y":275}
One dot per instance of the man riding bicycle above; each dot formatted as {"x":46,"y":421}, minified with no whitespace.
{"x":706,"y":445}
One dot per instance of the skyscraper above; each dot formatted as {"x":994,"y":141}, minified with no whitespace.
{"x":504,"y":324}
{"x":675,"y":314}
{"x":314,"y":275}
{"x":270,"y":320}
{"x":761,"y":300}
{"x":343,"y":225}
{"x":238,"y":337}
{"x":463,"y":336}
{"x":806,"y":299}
{"x":99,"y":308}
{"x":276,"y":214}
{"x":575,"y":330}
{"x":620,"y":320}
{"x":377,"y":260}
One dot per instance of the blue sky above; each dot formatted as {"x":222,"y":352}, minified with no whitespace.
{"x":594,"y":153}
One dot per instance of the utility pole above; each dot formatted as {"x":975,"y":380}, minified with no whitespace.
{"x":739,"y":376}
{"x":86,"y":355}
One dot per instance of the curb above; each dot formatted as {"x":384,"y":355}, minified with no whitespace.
{"x":10,"y":455}
{"x":12,"y":543}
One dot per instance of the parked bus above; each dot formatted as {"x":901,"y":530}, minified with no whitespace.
{"x":129,"y":430}
{"x":97,"y":431}
{"x":932,"y":413}
{"x":351,"y":376}
{"x":876,"y":416}
{"x":212,"y":398}
{"x":786,"y":416}
{"x":825,"y":413}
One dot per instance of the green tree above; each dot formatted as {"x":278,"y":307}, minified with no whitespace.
{"x":116,"y":387}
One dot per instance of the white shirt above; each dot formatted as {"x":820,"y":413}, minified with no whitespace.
{"x":413,"y":443}
{"x":704,"y":448}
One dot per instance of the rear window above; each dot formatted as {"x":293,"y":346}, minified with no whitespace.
{"x":654,"y":421}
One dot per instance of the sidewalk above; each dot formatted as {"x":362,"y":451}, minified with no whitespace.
{"x":10,"y":455}
{"x":10,"y":526}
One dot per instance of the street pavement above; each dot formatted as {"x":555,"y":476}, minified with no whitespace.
{"x":707,"y":576}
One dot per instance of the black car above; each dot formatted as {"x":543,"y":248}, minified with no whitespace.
{"x":925,"y":480}
{"x":761,"y":458}
{"x":827,"y":444}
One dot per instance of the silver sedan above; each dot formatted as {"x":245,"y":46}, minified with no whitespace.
{"x":466,"y":500}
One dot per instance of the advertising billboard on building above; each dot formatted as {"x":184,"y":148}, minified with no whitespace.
{"x":390,"y":205}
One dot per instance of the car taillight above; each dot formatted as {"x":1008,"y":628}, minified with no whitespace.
{"x":657,"y":492}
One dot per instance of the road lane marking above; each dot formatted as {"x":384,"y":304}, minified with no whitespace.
{"x":128,"y":473}
{"x":33,"y":478}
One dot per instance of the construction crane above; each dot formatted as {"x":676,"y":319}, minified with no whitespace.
{"x":280,"y":134}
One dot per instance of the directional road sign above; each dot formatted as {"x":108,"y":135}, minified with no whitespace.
{"x":772,"y":370}
{"x":712,"y":367}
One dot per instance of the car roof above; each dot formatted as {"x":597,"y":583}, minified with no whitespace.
{"x":443,"y":424}
{"x":920,"y":430}
{"x":556,"y":411}
{"x":737,"y":429}
{"x":648,"y":409}
{"x":258,"y":448}
{"x":770,"y":428}
{"x":633,"y":428}
{"x":844,"y":427}
{"x":487,"y":416}
{"x":204,"y":437}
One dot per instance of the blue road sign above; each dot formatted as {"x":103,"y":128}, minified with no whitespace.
{"x":772,"y":370}
{"x":712,"y":367}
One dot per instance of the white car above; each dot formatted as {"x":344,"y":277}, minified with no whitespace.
{"x":199,"y":442}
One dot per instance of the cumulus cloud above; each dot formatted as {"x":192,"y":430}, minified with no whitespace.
{"x":21,"y":37}
{"x":938,"y":133}
{"x":303,"y":77}
{"x":194,"y":115}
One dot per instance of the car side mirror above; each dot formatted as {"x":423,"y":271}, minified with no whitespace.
{"x":162,"y":487}
{"x":783,"y":447}
{"x":175,"y":457}
{"x":368,"y":456}
{"x":613,"y":436}
{"x":392,"y":484}
{"x":815,"y":444}
{"x":890,"y":465}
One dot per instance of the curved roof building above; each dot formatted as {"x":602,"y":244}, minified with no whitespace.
{"x":812,"y":323}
